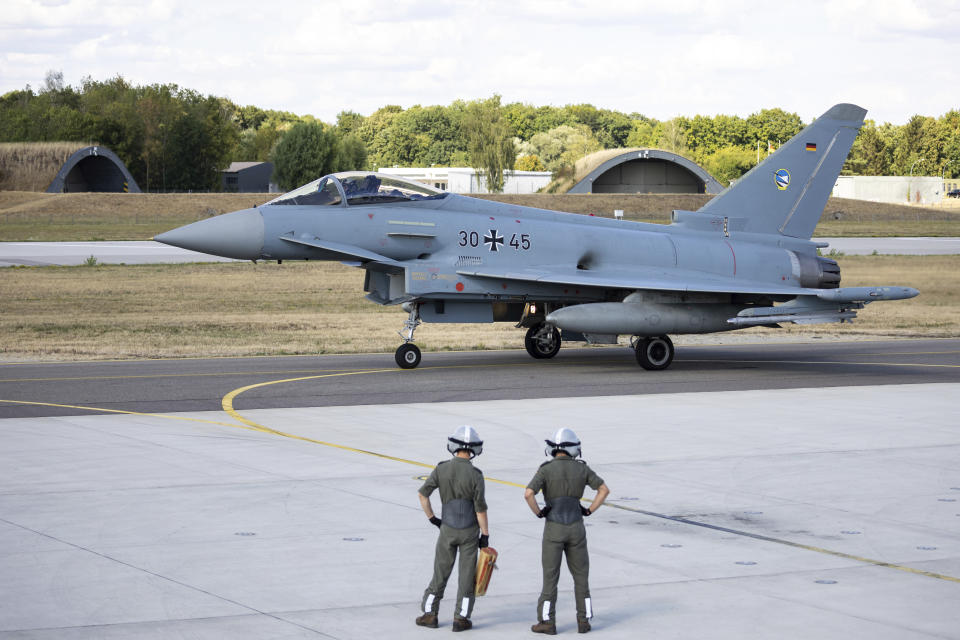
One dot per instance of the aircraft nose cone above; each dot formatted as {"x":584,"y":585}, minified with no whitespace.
{"x":231,"y":235}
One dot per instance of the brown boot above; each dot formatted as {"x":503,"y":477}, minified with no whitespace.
{"x":462,"y":624}
{"x":548,"y":628}
{"x":427,"y":620}
{"x":583,"y":626}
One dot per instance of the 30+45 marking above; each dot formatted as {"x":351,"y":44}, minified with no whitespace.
{"x":493,"y":240}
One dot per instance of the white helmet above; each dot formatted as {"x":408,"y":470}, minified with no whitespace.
{"x":465,"y":438}
{"x":566,"y":441}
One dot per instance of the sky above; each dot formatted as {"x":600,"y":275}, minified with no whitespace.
{"x":660,"y":58}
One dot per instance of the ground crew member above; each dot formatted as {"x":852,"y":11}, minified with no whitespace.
{"x":463,"y":527}
{"x":562,"y":480}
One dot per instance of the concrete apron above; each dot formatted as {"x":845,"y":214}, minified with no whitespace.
{"x":829,"y":513}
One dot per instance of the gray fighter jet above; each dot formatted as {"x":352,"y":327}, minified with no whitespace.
{"x":745,"y":259}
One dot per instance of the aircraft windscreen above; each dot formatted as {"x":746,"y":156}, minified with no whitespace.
{"x":377,"y":188}
{"x":319,"y":192}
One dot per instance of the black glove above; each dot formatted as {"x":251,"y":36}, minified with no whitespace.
{"x":585,"y":511}
{"x":435,"y":520}
{"x":543,"y":512}
{"x":484,"y":540}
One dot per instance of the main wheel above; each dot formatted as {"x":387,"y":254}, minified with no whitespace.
{"x":542,"y":341}
{"x":407,"y":356}
{"x":655,"y":354}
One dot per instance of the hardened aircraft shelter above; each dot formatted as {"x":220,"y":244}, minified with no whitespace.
{"x":641,"y":171}
{"x":63,"y":167}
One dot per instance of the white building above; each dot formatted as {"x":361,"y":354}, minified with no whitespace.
{"x":895,"y":189}
{"x":466,"y":180}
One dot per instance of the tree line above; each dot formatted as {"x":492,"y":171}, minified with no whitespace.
{"x":176,"y":139}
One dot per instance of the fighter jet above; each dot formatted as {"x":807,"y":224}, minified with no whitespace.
{"x":744,"y":259}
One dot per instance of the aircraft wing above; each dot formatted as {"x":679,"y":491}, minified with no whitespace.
{"x":685,"y":280}
{"x":639,"y":278}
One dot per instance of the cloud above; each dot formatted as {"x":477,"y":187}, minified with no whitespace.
{"x":660,"y":59}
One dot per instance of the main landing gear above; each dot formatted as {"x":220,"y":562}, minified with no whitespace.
{"x":653,"y":353}
{"x":542,"y":341}
{"x":408,"y":354}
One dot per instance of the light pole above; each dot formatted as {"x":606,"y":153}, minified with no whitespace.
{"x":910,"y":183}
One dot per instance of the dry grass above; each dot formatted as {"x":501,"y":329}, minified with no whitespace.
{"x":57,"y":313}
{"x":935,"y":313}
{"x":32,"y":166}
{"x":210,"y":309}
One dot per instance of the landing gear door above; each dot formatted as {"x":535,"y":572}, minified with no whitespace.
{"x":385,"y":288}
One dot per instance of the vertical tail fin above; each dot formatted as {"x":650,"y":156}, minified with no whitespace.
{"x":786,"y":193}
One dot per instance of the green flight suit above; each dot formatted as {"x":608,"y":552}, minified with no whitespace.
{"x":564,"y":478}
{"x":461,"y":488}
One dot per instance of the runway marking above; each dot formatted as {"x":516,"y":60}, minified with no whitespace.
{"x":228,"y":399}
{"x":131,"y":413}
{"x":336,"y":372}
{"x":265,"y":373}
{"x":177,"y":359}
{"x":227,"y":404}
{"x":864,"y":364}
{"x":244,"y":423}
{"x":909,"y":353}
{"x":169,"y":375}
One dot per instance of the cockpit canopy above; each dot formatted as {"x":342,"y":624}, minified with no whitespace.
{"x":358,"y":188}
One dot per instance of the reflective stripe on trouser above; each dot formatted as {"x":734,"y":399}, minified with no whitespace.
{"x":560,"y":540}
{"x":448,"y":543}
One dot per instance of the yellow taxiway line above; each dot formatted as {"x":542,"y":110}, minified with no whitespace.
{"x":227,"y":403}
{"x":229,"y":408}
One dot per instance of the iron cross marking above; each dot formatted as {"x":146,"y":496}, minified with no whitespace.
{"x":493,"y":239}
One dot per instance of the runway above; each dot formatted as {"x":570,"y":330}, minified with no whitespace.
{"x":775,"y":490}
{"x":65,"y":254}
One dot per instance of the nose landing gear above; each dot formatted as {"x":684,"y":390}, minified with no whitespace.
{"x":408,"y":354}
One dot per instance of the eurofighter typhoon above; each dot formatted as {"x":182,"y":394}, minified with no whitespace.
{"x":744,"y":259}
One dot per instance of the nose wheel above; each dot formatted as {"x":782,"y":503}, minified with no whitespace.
{"x":408,"y":354}
{"x":654,"y":353}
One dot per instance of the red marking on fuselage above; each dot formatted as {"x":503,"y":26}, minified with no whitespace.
{"x":459,"y":286}
{"x":734,"y":254}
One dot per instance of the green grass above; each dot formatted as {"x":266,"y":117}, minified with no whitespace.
{"x":85,"y":231}
{"x":888,"y":228}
